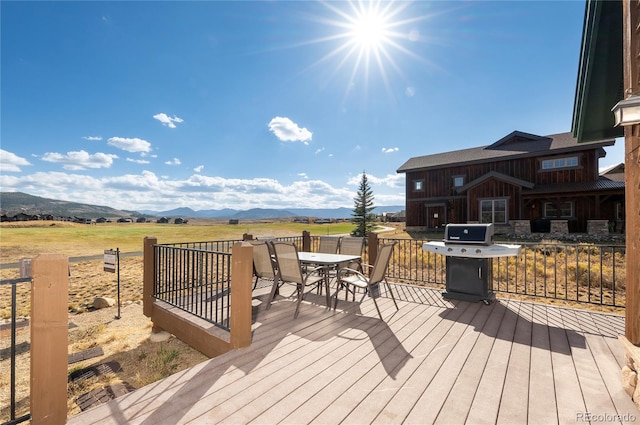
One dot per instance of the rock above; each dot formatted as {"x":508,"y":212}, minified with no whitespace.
{"x":103,"y":302}
{"x":159,"y":336}
{"x":629,"y":380}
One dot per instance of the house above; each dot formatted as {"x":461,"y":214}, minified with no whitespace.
{"x":522,"y":176}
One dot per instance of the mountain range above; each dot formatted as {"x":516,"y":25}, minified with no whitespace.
{"x":12,"y":203}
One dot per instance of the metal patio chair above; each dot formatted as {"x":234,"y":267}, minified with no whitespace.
{"x":290,"y":271}
{"x":264,"y":265}
{"x":351,"y":279}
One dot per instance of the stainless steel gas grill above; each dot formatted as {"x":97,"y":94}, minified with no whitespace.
{"x":470,"y":251}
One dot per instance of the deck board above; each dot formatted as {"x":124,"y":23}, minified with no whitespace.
{"x":432,"y":361}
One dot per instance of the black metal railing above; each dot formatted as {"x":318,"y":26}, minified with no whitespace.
{"x":196,"y":280}
{"x":583,"y":273}
{"x":12,"y":352}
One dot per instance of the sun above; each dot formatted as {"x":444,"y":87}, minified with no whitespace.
{"x":369,"y":31}
{"x":368,"y":36}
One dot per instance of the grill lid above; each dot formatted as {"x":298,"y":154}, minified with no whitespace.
{"x":469,"y":234}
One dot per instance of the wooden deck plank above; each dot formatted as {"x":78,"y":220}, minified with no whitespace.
{"x":564,"y":375}
{"x":514,"y":404}
{"x":485,"y":405}
{"x":331,"y":367}
{"x":610,"y":373}
{"x":390,"y":384}
{"x":444,"y":362}
{"x":542,"y":398}
{"x":429,"y":405}
{"x":336,"y":388}
{"x":456,"y":407}
{"x":430,"y":358}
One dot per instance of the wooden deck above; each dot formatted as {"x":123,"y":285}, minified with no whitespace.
{"x":433,"y":361}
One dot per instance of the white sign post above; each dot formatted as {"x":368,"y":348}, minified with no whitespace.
{"x":112,"y":264}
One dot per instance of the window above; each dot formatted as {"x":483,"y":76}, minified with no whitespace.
{"x":418,"y":185}
{"x":493,"y":211}
{"x":619,"y":211}
{"x":563,"y":209}
{"x":458,"y":181}
{"x":567,"y":162}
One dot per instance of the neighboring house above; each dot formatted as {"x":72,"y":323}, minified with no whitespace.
{"x":520,"y":177}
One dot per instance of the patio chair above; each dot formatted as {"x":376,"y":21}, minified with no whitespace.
{"x":329,"y":244}
{"x":351,"y":279}
{"x":290,"y":271}
{"x":352,"y":246}
{"x":264,"y":266}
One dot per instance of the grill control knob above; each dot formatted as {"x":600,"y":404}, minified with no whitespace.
{"x":478,"y":251}
{"x":449,"y":249}
{"x":463,"y":250}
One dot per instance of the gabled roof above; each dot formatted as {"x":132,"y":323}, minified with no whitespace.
{"x":615,"y":173}
{"x":515,"y":145}
{"x":496,"y":175}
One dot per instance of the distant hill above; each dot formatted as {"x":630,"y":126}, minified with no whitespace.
{"x":12,"y":203}
{"x":261,"y":213}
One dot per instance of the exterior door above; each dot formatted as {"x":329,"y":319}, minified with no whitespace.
{"x":436,"y":217}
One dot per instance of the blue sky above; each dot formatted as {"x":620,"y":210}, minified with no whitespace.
{"x":268,"y":104}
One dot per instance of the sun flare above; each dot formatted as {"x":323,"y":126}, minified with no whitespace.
{"x":368,"y":35}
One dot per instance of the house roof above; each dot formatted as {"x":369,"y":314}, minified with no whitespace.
{"x":515,"y":145}
{"x":602,"y":184}
{"x":615,"y":173}
{"x":600,"y":73}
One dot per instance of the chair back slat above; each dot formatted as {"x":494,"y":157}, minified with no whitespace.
{"x":288,"y":262}
{"x":382,"y":262}
{"x":263,"y":266}
{"x":329,"y":244}
{"x":352,"y":246}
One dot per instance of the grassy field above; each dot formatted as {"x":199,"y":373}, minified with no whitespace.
{"x":28,"y":239}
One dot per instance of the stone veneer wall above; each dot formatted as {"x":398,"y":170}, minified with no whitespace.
{"x":598,"y":227}
{"x":630,"y":369}
{"x":559,"y":227}
{"x":521,"y":227}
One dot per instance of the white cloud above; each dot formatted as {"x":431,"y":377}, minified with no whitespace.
{"x":92,"y":138}
{"x":390,"y":180}
{"x":288,"y":131}
{"x":10,"y":162}
{"x":130,"y":144}
{"x":389,"y":150}
{"x":410,"y":91}
{"x":80,"y":160}
{"x":199,"y":168}
{"x":319,"y":150}
{"x":174,"y":161}
{"x":303,"y":175}
{"x":168,"y":121}
{"x":138,"y":161}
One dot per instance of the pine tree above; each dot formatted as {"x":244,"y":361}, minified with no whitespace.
{"x":362,"y":215}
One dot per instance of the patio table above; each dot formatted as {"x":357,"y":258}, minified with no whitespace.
{"x":327,"y":262}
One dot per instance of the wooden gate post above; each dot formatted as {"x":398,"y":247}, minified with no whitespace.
{"x":306,"y":240}
{"x":241,"y":286}
{"x":148,"y":271}
{"x":49,"y":338}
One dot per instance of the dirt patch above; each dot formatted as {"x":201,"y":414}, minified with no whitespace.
{"x":124,"y":342}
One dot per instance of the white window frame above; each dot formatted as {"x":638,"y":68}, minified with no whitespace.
{"x":457,"y":179}
{"x":418,"y":185}
{"x":493,"y":202}
{"x":559,"y":163}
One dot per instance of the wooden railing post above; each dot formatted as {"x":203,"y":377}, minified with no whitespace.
{"x":306,"y":240}
{"x":247,"y":237}
{"x":241,"y":285}
{"x":49,"y":339}
{"x":372,"y":244}
{"x":148,"y":264}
